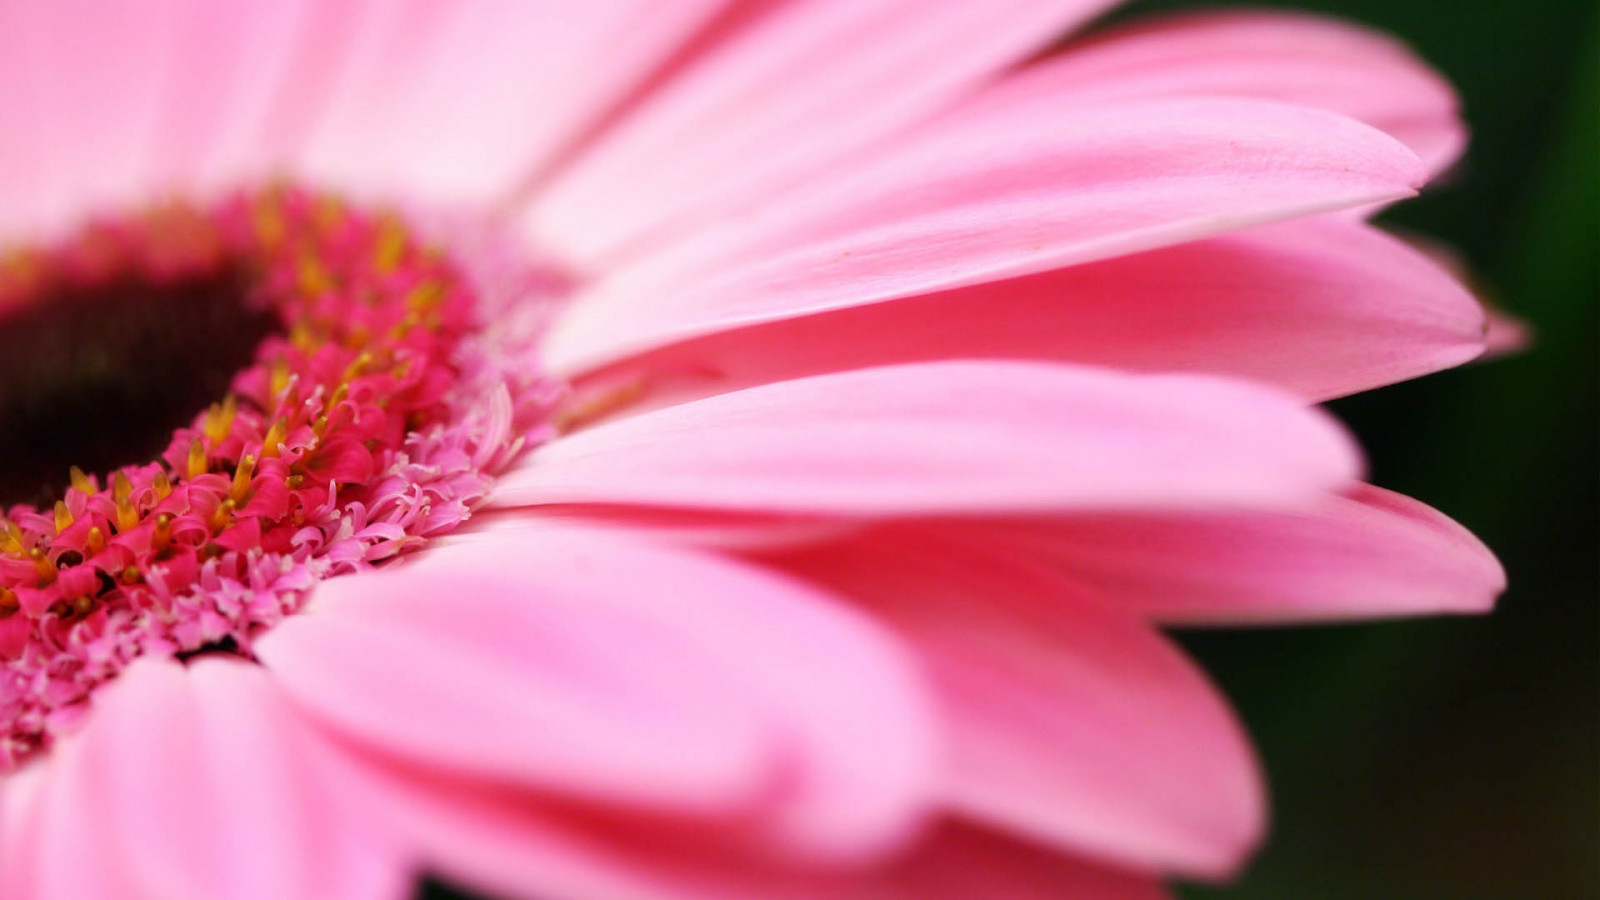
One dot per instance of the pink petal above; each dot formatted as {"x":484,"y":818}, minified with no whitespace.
{"x":219,"y":85}
{"x":504,"y":844}
{"x":954,"y":437}
{"x":22,"y":825}
{"x":1321,"y":307}
{"x":1368,"y":553}
{"x":1070,"y":722}
{"x":462,"y":101}
{"x":65,"y":828}
{"x":595,"y":664}
{"x":82,"y":82}
{"x":1297,"y":58}
{"x":794,"y":90}
{"x":1506,"y":334}
{"x":1002,"y":192}
{"x":220,"y":797}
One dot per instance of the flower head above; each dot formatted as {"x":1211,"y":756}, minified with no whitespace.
{"x":707,"y":449}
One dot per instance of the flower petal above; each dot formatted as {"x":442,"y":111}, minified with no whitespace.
{"x":954,"y":437}
{"x":1294,"y":57}
{"x":81,"y":107}
{"x":797,"y":88}
{"x":221,"y":798}
{"x":1367,"y":553}
{"x":1023,"y":188}
{"x":1070,"y":722}
{"x":598,"y":665}
{"x":1322,"y":307}
{"x":500,"y":843}
{"x":460,"y":102}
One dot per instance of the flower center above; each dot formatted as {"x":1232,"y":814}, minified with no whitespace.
{"x":99,"y":370}
{"x":357,"y":406}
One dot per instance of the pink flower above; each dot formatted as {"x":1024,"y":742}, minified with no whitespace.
{"x":841,"y":394}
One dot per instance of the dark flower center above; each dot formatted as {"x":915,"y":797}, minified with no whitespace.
{"x":100,"y":374}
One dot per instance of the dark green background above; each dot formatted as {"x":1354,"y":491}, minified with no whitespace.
{"x":1460,"y":758}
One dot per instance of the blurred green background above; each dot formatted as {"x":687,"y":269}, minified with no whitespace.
{"x":1461,"y":758}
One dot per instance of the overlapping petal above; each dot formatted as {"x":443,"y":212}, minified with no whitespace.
{"x":191,"y":784}
{"x":1065,"y":713}
{"x":960,"y":436}
{"x":594,"y":665}
{"x":1001,"y":193}
{"x":793,"y":90}
{"x":1362,"y":554}
{"x":1322,"y":307}
{"x":1298,"y":58}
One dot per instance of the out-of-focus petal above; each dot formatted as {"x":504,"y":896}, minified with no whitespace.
{"x":460,"y":102}
{"x":82,"y":92}
{"x":1297,"y":58}
{"x":1066,"y":715}
{"x":500,"y":842}
{"x":196,"y":784}
{"x":1322,"y":307}
{"x":951,"y":437}
{"x":792,"y":91}
{"x":1024,"y":188}
{"x":1366,"y":554}
{"x":593,"y":664}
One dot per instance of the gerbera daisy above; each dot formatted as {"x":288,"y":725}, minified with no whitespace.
{"x":694,"y":449}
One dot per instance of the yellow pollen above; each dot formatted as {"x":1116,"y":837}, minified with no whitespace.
{"x":355,"y":369}
{"x":223,"y":515}
{"x":279,"y":375}
{"x":95,"y":541}
{"x":10,"y":537}
{"x":162,"y":484}
{"x":391,"y":246}
{"x":425,"y":296}
{"x":81,"y":482}
{"x":313,"y":277}
{"x":64,"y":517}
{"x":269,"y":224}
{"x":41,"y":565}
{"x":122,"y":493}
{"x":8,"y":602}
{"x":83,"y":605}
{"x":275,"y":436}
{"x":219,"y":418}
{"x":197,"y":459}
{"x":161,"y":536}
{"x":241,"y":478}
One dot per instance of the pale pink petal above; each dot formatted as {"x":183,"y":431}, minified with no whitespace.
{"x":1003,"y":192}
{"x":219,"y":85}
{"x":66,"y":828}
{"x":594,"y":664}
{"x":1070,"y":721}
{"x":502,"y":843}
{"x":199,"y":784}
{"x":1365,"y":554}
{"x":1297,"y":58}
{"x":791,"y":92}
{"x":186,"y":786}
{"x":958,"y":437}
{"x":22,"y":826}
{"x":1321,"y":307}
{"x":462,"y":101}
{"x":82,"y":105}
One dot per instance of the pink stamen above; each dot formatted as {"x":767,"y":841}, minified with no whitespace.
{"x":374,"y":421}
